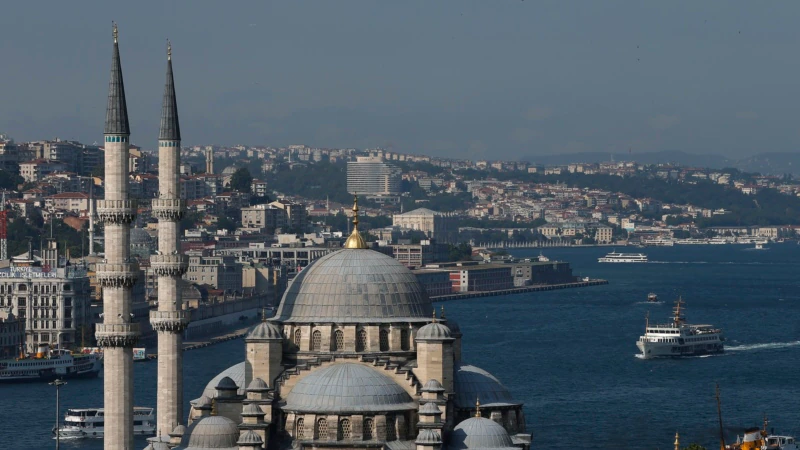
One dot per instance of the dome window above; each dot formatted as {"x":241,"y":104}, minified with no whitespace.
{"x":297,"y":336}
{"x":300,"y":427}
{"x":369,"y":426}
{"x":322,"y":429}
{"x":316,"y":341}
{"x":384,"y":340}
{"x":338,"y":341}
{"x":404,"y":340}
{"x":361,"y":342}
{"x":344,"y":430}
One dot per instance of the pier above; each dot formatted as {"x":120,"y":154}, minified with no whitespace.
{"x":519,"y":290}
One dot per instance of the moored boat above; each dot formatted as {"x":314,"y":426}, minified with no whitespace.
{"x":49,"y":364}
{"x":679,"y":338}
{"x":89,"y":422}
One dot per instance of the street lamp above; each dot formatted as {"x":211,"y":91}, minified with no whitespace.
{"x":57,"y":383}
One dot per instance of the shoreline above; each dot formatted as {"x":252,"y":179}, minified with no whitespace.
{"x":519,"y":290}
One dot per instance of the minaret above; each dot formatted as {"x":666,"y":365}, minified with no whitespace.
{"x":169,"y":264}
{"x":91,"y":218}
{"x":210,"y":160}
{"x":117,"y":273}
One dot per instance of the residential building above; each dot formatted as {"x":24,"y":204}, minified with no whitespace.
{"x":12,"y":331}
{"x":219,"y":272}
{"x":33,"y":171}
{"x":418,"y":255}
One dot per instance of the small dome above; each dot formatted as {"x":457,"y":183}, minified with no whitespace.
{"x":212,"y":432}
{"x":252,"y":410}
{"x":478,"y":433}
{"x":159,"y":445}
{"x":180,"y":430}
{"x":141,"y":237}
{"x":347,"y":388}
{"x":203,"y":402}
{"x":470,"y":383}
{"x":265,"y":331}
{"x":430,"y":409}
{"x":234,"y":372}
{"x":230,"y":170}
{"x":149,"y":446}
{"x":257,"y":385}
{"x":427,"y":436}
{"x":434,"y":331}
{"x":250,"y":437}
{"x":226,"y":384}
{"x":433,"y":386}
{"x":355,"y":286}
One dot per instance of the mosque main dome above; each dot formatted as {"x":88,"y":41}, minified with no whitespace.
{"x":355,"y":286}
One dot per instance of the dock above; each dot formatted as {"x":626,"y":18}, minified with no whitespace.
{"x":519,"y":290}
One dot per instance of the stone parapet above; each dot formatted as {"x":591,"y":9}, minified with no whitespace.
{"x":169,"y":209}
{"x":117,"y":335}
{"x":169,"y":265}
{"x":117,"y":274}
{"x":116,"y":211}
{"x":169,"y":321}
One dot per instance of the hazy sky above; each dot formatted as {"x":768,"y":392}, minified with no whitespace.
{"x":476,"y":79}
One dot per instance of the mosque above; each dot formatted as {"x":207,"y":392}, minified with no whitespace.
{"x":354,"y":357}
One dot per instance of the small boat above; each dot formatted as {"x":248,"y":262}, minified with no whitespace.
{"x":139,"y":355}
{"x":543,"y":258}
{"x":758,"y":439}
{"x":89,"y":423}
{"x":759,"y":246}
{"x":652,"y":298}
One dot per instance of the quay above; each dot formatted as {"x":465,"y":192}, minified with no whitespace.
{"x":519,"y":290}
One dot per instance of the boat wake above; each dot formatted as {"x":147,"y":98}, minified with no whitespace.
{"x":768,"y":346}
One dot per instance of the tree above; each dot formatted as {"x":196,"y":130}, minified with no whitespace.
{"x":241,"y":180}
{"x":694,"y":447}
{"x":225,"y":223}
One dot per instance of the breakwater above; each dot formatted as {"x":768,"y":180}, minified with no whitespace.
{"x":519,"y":290}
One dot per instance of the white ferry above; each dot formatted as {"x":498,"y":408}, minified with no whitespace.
{"x":48,"y":365}
{"x":615,"y":257}
{"x":679,"y":338}
{"x":90,"y":422}
{"x":659,"y":242}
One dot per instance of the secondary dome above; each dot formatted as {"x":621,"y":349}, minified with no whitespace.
{"x":347,"y":388}
{"x":477,"y":433}
{"x":434,"y":331}
{"x":212,"y":432}
{"x":234,"y":372}
{"x":355,"y":285}
{"x":264,"y":331}
{"x":472,"y":383}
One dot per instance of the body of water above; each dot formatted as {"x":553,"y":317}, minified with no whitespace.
{"x":570,"y":355}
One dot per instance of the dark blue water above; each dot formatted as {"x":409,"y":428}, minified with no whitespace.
{"x":569,"y":355}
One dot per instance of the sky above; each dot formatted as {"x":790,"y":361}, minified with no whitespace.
{"x":484,"y":79}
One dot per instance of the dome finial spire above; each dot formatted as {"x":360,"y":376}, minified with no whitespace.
{"x":355,"y":240}
{"x":434,"y":315}
{"x":442,"y":314}
{"x":169,"y":50}
{"x":477,"y":407}
{"x":677,"y":441}
{"x":263,"y":314}
{"x":115,"y":32}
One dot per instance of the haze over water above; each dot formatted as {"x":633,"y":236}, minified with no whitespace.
{"x":570,"y":355}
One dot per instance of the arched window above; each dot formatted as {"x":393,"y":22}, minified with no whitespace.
{"x":369,"y":425}
{"x":338,"y":341}
{"x":316,"y":341}
{"x":322,"y":429}
{"x":361,"y":342}
{"x":384,"y":340}
{"x":297,"y":336}
{"x":404,"y":342}
{"x":344,"y":429}
{"x":391,"y":432}
{"x":300,"y":433}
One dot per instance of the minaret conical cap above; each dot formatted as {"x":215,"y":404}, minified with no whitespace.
{"x":117,"y":109}
{"x":170,"y":126}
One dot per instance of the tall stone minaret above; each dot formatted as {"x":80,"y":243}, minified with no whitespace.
{"x":117,"y":273}
{"x":169,"y":264}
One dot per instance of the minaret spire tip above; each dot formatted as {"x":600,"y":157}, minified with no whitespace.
{"x":115,"y":31}
{"x":169,"y":50}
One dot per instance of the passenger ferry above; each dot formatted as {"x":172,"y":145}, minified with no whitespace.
{"x":49,"y":364}
{"x":81,"y":423}
{"x":679,"y":338}
{"x":615,"y":257}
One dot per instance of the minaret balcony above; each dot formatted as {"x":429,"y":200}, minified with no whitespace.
{"x":168,"y":209}
{"x":117,"y":334}
{"x":116,"y":211}
{"x":169,"y":265}
{"x":117,"y":275}
{"x":169,"y":321}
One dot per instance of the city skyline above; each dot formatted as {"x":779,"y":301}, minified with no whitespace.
{"x":511,"y":80}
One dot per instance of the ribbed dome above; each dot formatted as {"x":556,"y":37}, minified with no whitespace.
{"x":430,"y":409}
{"x":434,"y":332}
{"x":427,"y":436}
{"x":264,"y":331}
{"x":178,"y":430}
{"x":347,"y":388}
{"x":159,"y":445}
{"x":141,"y":237}
{"x":471,"y":383}
{"x":212,"y":432}
{"x":478,"y":433}
{"x":250,"y":437}
{"x":433,"y":386}
{"x":355,"y":286}
{"x":203,"y":402}
{"x":235,"y":372}
{"x":252,"y":409}
{"x":257,"y":385}
{"x":226,"y":383}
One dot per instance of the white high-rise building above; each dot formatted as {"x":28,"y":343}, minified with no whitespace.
{"x":370,"y":175}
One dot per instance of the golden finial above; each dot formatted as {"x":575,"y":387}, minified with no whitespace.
{"x":263,"y":314}
{"x":169,"y":50}
{"x":442,"y":314}
{"x":477,"y":407}
{"x":116,"y":33}
{"x":355,"y":240}
{"x":434,"y":315}
{"x":677,"y":441}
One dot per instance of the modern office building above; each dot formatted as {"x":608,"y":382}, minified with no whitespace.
{"x":371,"y":176}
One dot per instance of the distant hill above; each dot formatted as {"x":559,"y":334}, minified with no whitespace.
{"x":773,"y":163}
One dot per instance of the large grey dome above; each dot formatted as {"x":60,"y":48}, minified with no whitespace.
{"x":477,"y":433}
{"x":212,"y":432}
{"x":355,"y":285}
{"x":472,"y":383}
{"x":347,"y":388}
{"x":235,"y":372}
